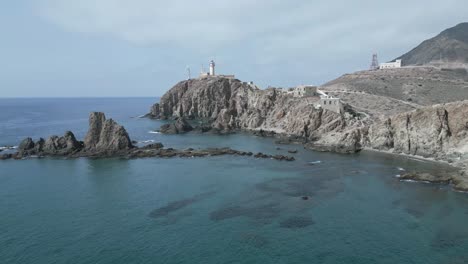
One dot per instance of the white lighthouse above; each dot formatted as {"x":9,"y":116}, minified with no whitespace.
{"x":212,"y":68}
{"x":211,"y":73}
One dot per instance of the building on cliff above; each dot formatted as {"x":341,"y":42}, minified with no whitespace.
{"x":301,"y":91}
{"x":304,"y":90}
{"x":390,"y":65}
{"x":212,"y":72}
{"x":331,"y":103}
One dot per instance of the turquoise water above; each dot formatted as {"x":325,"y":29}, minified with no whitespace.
{"x":214,"y":210}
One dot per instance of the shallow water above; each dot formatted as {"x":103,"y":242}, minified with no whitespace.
{"x":214,"y":210}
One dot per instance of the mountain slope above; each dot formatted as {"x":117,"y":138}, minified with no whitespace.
{"x":450,"y":46}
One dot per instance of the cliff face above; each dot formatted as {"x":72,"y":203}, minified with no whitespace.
{"x":234,"y":105}
{"x":439,"y":131}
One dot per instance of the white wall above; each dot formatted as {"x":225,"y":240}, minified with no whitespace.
{"x":331,"y":104}
{"x":390,"y":65}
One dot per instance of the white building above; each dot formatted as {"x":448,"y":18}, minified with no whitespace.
{"x":331,"y":103}
{"x":304,"y":90}
{"x":390,"y":65}
{"x":212,"y":72}
{"x":212,"y":68}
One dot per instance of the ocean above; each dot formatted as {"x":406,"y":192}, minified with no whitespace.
{"x":224,"y":209}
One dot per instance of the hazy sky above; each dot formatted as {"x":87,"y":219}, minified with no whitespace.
{"x":69,"y":48}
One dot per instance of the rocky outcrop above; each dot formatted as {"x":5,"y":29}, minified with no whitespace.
{"x":231,"y":105}
{"x":154,"y":112}
{"x":459,"y":181}
{"x":439,"y":131}
{"x":53,"y":146}
{"x":169,"y":153}
{"x":105,"y":136}
{"x":180,"y":126}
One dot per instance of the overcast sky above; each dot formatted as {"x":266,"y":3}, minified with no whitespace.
{"x":68,"y":48}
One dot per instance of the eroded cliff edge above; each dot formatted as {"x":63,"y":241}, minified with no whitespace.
{"x":229,"y":105}
{"x":438,"y":131}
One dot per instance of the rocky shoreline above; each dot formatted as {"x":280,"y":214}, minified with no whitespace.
{"x":229,"y":105}
{"x":457,"y":181}
{"x":107,"y":139}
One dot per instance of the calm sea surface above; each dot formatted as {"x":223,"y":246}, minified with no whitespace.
{"x":213,"y":210}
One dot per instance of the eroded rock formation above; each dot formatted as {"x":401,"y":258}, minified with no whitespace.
{"x":438,"y":131}
{"x":180,"y":126}
{"x":105,"y":135}
{"x":231,"y":105}
{"x":53,"y":146}
{"x":106,"y":138}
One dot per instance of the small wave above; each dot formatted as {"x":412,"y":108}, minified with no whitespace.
{"x":154,"y":132}
{"x":315,"y":162}
{"x":146,"y":141}
{"x":398,"y":175}
{"x":407,"y":180}
{"x":420,"y":160}
{"x":401,"y":169}
{"x":8,"y":147}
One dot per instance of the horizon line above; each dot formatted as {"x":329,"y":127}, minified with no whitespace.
{"x":76,"y":97}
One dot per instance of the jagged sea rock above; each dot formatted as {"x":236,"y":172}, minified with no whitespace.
{"x":155,"y":112}
{"x":157,"y":145}
{"x":105,"y":135}
{"x":106,"y":138}
{"x":26,"y":144}
{"x":180,"y":126}
{"x":428,"y":177}
{"x":53,"y":146}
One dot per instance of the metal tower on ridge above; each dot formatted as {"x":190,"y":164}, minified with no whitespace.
{"x":375,"y":62}
{"x":189,"y":73}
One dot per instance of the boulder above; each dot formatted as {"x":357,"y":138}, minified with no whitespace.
{"x":180,"y":126}
{"x":26,"y":145}
{"x":155,"y":112}
{"x":153,"y":146}
{"x":428,"y":177}
{"x":6,"y":156}
{"x":55,"y":145}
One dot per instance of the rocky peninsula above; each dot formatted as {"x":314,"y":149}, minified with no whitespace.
{"x":107,"y":139}
{"x":227,"y":105}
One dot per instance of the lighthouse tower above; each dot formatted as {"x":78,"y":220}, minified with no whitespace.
{"x":212,"y":68}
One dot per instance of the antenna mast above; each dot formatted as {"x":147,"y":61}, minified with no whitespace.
{"x":375,"y":62}
{"x":189,"y":73}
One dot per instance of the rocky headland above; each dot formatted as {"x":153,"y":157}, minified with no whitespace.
{"x":438,"y":132}
{"x":107,"y":139}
